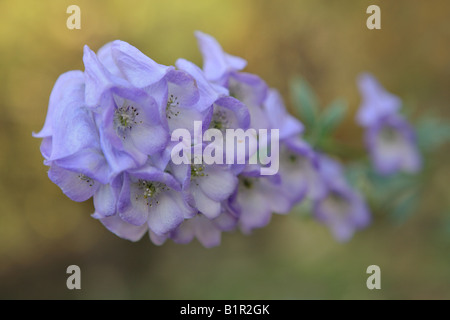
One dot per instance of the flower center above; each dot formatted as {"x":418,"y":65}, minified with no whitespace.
{"x":219,"y":120}
{"x":235,"y":89}
{"x":338,"y":204}
{"x":172,"y":105}
{"x":198,"y":170}
{"x":86,"y":179}
{"x":150,"y":190}
{"x":247,"y":182}
{"x":389,"y":134}
{"x":125,"y":119}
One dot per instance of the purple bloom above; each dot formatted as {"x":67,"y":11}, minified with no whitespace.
{"x":151,"y":196}
{"x":217,"y":64}
{"x":209,"y":186}
{"x":128,"y":117}
{"x":279,"y":118}
{"x":207,"y":231}
{"x":376,"y":101}
{"x":212,"y":188}
{"x":124,"y":61}
{"x":257,"y":198}
{"x":341,"y":208}
{"x":227,"y":113}
{"x":182,"y":95}
{"x":389,"y":137}
{"x":71,"y":145}
{"x":147,"y":199}
{"x":393,"y":146}
{"x":122,"y":228}
{"x":299,"y":171}
{"x":223,"y":69}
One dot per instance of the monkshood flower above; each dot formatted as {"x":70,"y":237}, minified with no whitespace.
{"x":298,"y":161}
{"x":207,"y":231}
{"x":217,"y":64}
{"x":299,"y":171}
{"x":260,"y":196}
{"x":389,"y":137}
{"x":393,"y":147}
{"x":183,"y":94}
{"x":153,"y":197}
{"x":208,"y":188}
{"x":223,"y":69}
{"x":71,"y":144}
{"x":148,"y":199}
{"x":341,"y":207}
{"x":201,"y":194}
{"x":115,"y":132}
{"x":128,"y":117}
{"x":207,"y":185}
{"x":376,"y":102}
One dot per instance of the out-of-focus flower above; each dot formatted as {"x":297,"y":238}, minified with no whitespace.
{"x":389,"y":138}
{"x":376,"y":102}
{"x":393,"y":146}
{"x":207,"y":231}
{"x":299,"y":171}
{"x":341,"y":207}
{"x":217,"y":64}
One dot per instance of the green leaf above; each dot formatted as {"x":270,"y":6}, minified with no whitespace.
{"x":432,"y":133}
{"x":388,"y":186}
{"x":405,"y":205}
{"x":356,"y":174}
{"x":332,"y":116}
{"x":303,"y":209}
{"x":305,"y":101}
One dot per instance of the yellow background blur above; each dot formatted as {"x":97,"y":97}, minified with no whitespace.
{"x":327,"y":42}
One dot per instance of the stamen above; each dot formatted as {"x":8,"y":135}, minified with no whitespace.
{"x":219,"y":120}
{"x":86,"y":179}
{"x":172,"y":104}
{"x":247,"y":182}
{"x":125,"y":119}
{"x":197,"y":171}
{"x":150,"y":190}
{"x":389,"y":134}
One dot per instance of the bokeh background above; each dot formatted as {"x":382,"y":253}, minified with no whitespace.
{"x":326,"y":42}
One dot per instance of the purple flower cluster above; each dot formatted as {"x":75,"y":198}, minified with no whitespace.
{"x":390,"y":139}
{"x":107,"y":135}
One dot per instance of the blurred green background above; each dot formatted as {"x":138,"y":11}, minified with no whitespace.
{"x":327,"y":42}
